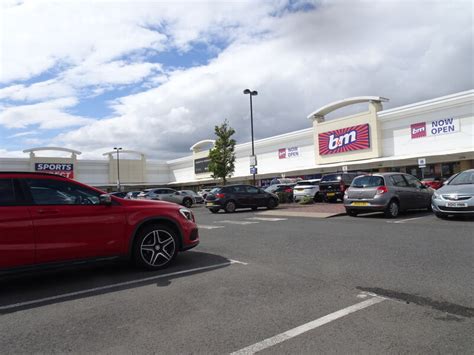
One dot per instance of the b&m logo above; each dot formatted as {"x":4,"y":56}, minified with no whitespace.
{"x":344,"y":140}
{"x":418,"y":130}
{"x":282,"y":153}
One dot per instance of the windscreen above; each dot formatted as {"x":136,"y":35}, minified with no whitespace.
{"x":464,"y":178}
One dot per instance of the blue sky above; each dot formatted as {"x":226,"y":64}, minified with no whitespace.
{"x":157,"y":76}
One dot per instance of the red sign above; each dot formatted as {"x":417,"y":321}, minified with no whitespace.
{"x":344,"y":140}
{"x":66,"y":170}
{"x":282,"y":153}
{"x":418,"y":130}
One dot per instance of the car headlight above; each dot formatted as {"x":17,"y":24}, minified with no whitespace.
{"x":187,"y":214}
{"x":435,"y":194}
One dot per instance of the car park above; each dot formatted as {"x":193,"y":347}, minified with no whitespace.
{"x":332,"y":186}
{"x":232,"y":197}
{"x":308,"y":189}
{"x":456,"y":197}
{"x":49,"y":220}
{"x":195,"y":196}
{"x":166,"y":194}
{"x":386,"y":192}
{"x":434,"y":182}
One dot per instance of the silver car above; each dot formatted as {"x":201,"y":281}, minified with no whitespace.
{"x":194,"y":195}
{"x":165,"y":194}
{"x":456,"y":197}
{"x":386,"y":192}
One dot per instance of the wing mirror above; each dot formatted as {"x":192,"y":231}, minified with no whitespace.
{"x":105,"y":200}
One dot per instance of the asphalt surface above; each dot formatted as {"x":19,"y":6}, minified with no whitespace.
{"x":255,"y":277}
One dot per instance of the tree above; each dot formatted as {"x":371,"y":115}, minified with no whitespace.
{"x":222,"y":156}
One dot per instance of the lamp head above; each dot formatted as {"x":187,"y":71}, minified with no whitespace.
{"x":247,"y":91}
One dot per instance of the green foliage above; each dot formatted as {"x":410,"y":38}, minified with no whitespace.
{"x":306,"y":200}
{"x":222,"y":156}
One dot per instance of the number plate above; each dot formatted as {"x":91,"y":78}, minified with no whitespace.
{"x":359,"y":203}
{"x":209,"y":204}
{"x":456,"y":204}
{"x":331,"y":194}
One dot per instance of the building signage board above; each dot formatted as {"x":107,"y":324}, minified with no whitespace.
{"x":201,"y":165}
{"x":344,"y":140}
{"x":434,"y":128}
{"x":290,"y":152}
{"x":63,"y":169}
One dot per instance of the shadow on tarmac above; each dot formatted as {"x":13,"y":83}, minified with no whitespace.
{"x":75,"y":282}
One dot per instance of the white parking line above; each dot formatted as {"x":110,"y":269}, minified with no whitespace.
{"x":120,"y":284}
{"x":267,"y":219}
{"x":408,"y":219}
{"x":269,"y":342}
{"x":203,"y":226}
{"x":237,"y":222}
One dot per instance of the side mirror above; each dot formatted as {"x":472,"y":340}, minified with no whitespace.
{"x":105,"y":200}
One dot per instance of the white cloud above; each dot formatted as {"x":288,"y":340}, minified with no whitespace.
{"x":47,"y":115}
{"x":23,"y":134}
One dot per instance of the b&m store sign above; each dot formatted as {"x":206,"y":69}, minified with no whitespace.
{"x":66,"y":170}
{"x":344,"y":140}
{"x":434,"y":128}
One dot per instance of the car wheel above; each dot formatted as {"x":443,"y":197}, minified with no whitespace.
{"x":352,"y":213}
{"x":317,"y":197}
{"x":214,"y":210}
{"x":271,"y":204}
{"x":230,"y":207}
{"x":441,"y":215}
{"x":392,"y":210}
{"x":254,"y":208}
{"x":187,"y":202}
{"x":155,"y":247}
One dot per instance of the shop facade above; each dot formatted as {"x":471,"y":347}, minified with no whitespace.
{"x":440,"y":132}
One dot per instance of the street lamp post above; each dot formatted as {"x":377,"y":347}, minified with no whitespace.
{"x":252,"y":93}
{"x":118,"y":149}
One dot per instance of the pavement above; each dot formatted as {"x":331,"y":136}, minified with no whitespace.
{"x":315,"y":210}
{"x":260,"y":283}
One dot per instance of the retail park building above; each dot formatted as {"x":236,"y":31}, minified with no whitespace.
{"x":440,"y":131}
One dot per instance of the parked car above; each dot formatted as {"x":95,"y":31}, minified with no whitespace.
{"x":332,"y":186}
{"x":49,"y":220}
{"x":132,"y":195}
{"x":456,"y":197}
{"x":231,"y":197}
{"x":386,"y":192}
{"x":166,"y":194}
{"x":205,"y":191}
{"x":120,"y":194}
{"x":286,"y":190}
{"x":194,"y":195}
{"x":307,"y":188}
{"x":434,"y":182}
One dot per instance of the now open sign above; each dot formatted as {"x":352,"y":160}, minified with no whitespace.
{"x":434,"y":128}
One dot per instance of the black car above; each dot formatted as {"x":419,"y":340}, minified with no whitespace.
{"x":332,"y":186}
{"x":231,"y":197}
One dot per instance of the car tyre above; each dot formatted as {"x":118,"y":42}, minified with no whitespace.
{"x":187,"y":202}
{"x":254,"y":208}
{"x":155,"y":247}
{"x":271,"y":204}
{"x":230,"y":207}
{"x":352,"y":213}
{"x":214,"y":210}
{"x":392,"y":210}
{"x":317,"y":197}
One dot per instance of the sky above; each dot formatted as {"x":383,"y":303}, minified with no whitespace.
{"x":157,"y":76}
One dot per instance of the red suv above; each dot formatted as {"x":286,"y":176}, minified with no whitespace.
{"x":48,"y":219}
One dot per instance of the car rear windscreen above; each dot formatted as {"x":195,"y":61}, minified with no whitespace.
{"x":331,"y":177}
{"x":368,"y":181}
{"x":300,"y":183}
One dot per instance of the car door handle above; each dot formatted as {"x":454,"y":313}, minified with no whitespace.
{"x":48,"y":211}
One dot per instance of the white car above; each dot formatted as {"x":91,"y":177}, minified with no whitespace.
{"x":307,"y":188}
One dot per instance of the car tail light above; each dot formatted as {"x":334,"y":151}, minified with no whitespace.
{"x":220,"y":195}
{"x":342,"y":186}
{"x":287,"y":190}
{"x":381,"y":190}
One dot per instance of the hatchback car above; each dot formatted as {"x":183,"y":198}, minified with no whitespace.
{"x":307,"y":188}
{"x":456,"y":197}
{"x":49,"y":220}
{"x":194,"y":195}
{"x":386,"y":192}
{"x":332,"y":186}
{"x":231,"y":197}
{"x":166,"y":194}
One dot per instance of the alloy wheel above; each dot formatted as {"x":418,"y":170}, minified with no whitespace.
{"x":157,"y":248}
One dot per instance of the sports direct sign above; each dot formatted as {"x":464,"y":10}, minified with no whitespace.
{"x":66,"y":170}
{"x":434,"y":128}
{"x":344,"y":140}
